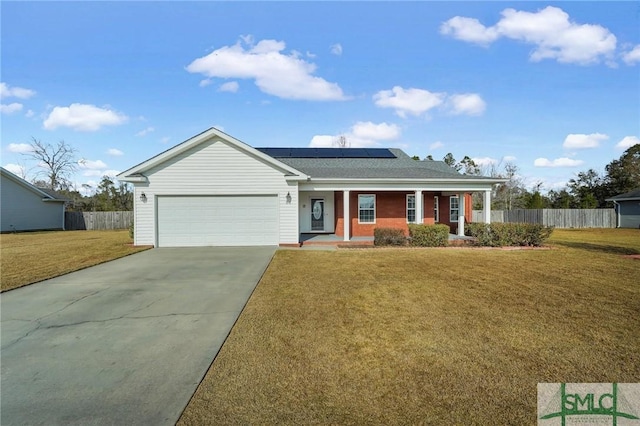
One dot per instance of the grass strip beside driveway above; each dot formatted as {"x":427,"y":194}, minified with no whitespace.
{"x":35,"y":256}
{"x":433,"y":336}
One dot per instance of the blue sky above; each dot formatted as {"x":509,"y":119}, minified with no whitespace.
{"x":550,"y":86}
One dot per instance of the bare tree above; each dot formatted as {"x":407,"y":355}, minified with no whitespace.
{"x":341,"y":142}
{"x":507,"y":195}
{"x":57,"y":162}
{"x":509,"y":192}
{"x":22,"y":170}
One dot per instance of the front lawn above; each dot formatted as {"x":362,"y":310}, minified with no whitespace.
{"x":428,"y":336}
{"x":29,"y":257}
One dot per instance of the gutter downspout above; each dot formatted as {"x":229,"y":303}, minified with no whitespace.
{"x":617,"y":207}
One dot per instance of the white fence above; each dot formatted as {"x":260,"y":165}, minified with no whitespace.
{"x":560,"y":218}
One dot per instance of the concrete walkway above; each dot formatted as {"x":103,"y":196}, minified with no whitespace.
{"x":122,"y":343}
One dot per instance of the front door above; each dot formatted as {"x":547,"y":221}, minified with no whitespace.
{"x":317,"y":214}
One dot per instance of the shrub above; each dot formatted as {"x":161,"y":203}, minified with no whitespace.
{"x":509,"y":234}
{"x":131,"y":231}
{"x":429,"y":235}
{"x":389,"y":237}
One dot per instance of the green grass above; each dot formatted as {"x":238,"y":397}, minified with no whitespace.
{"x":427,"y":336}
{"x":35,"y":256}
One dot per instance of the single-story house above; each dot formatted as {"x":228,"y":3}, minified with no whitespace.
{"x":214,"y":190}
{"x":25,"y":207}
{"x":627,"y":209}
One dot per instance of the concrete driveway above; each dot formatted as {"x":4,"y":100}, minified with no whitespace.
{"x":125,"y":342}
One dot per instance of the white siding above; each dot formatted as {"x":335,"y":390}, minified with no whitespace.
{"x":214,"y":168}
{"x":23,"y":209}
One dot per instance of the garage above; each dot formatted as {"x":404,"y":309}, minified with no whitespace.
{"x":242,"y":220}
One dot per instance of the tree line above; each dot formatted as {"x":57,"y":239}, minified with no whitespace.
{"x":588,"y":190}
{"x":55,"y":166}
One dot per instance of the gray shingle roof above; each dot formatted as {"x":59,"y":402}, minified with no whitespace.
{"x":633,"y":195}
{"x":401,"y":167}
{"x":53,"y":194}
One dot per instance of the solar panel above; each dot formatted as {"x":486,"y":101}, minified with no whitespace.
{"x":327,"y":152}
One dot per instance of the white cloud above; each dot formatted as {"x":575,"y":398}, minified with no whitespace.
{"x":485,"y":161}
{"x":87,"y":188}
{"x":82,"y":117}
{"x":416,"y":102}
{"x":247,"y":39}
{"x":111,"y":173}
{"x":145,"y":131}
{"x":10,"y":108}
{"x":436,"y":145}
{"x":19,"y":147}
{"x":115,"y":152}
{"x":96,"y":168}
{"x":361,"y":135}
{"x":231,"y":86}
{"x":633,"y":56}
{"x":205,"y":82}
{"x":469,"y":29}
{"x":92,"y":164}
{"x":468,"y":103}
{"x":509,"y":158}
{"x":581,"y":141}
{"x":408,"y":101}
{"x":283,"y":75}
{"x":336,"y":49}
{"x":628,"y":142}
{"x":16,"y":169}
{"x":29,"y":113}
{"x":323,"y":141}
{"x":15,"y":92}
{"x":92,"y":173}
{"x":558,"y":162}
{"x":165,"y":139}
{"x":550,"y":31}
{"x":369,"y":130}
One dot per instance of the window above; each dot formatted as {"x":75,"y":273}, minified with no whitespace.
{"x":366,"y":208}
{"x":411,"y":208}
{"x":436,"y":209}
{"x":454,"y":208}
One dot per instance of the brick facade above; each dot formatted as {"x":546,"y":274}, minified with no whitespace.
{"x":391,"y":212}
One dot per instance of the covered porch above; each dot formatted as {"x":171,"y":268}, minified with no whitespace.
{"x":322,"y":213}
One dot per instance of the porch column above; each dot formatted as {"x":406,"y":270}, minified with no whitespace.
{"x":419,"y":205}
{"x":346,"y":220}
{"x":461,"y":214}
{"x":486,"y":206}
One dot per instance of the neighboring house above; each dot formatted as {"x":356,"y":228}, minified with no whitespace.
{"x":215,"y":190}
{"x":25,"y":207}
{"x":627,"y":209}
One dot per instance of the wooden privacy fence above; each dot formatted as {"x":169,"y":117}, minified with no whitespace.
{"x":560,"y":218}
{"x":97,"y":220}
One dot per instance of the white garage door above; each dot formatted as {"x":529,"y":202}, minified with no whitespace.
{"x":217,"y":221}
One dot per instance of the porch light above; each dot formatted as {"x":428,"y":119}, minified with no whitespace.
{"x":143,"y":197}
{"x":288,"y":198}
